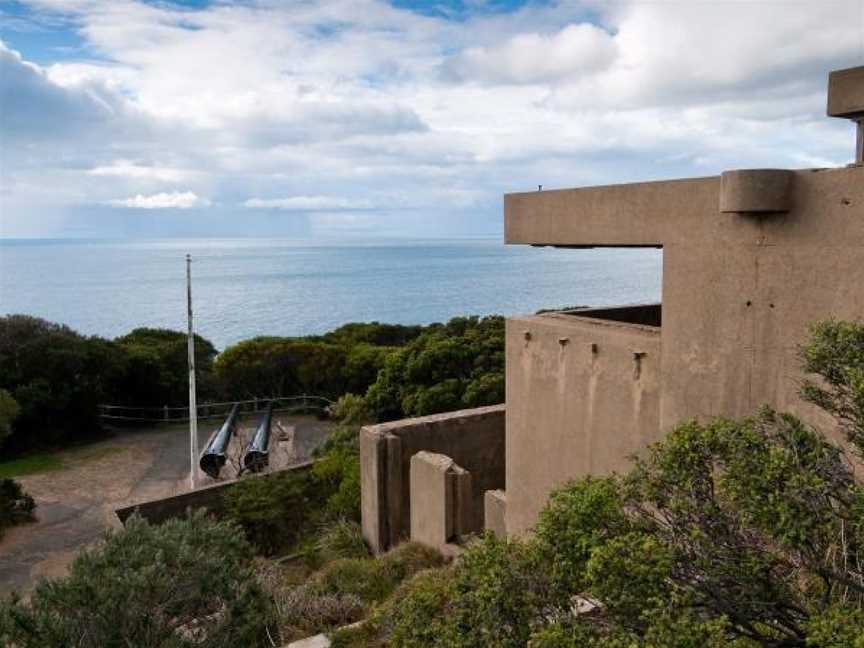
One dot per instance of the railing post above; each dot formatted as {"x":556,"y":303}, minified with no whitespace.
{"x":165,"y":412}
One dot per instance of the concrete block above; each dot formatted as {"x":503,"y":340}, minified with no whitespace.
{"x":318,"y":641}
{"x":496,"y":510}
{"x":394,"y":488}
{"x":756,"y":191}
{"x":432,"y":499}
{"x":464,"y":518}
{"x":373,"y":499}
{"x":846,"y":93}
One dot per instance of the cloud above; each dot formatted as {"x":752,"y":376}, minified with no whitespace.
{"x":128,"y":169}
{"x":172,"y":200}
{"x":34,"y":107}
{"x":361,"y":112}
{"x":536,"y":58}
{"x":308,"y":203}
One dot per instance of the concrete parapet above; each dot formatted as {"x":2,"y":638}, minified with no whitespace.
{"x":208,"y":497}
{"x":495,"y":505}
{"x":756,"y":191}
{"x":474,"y":439}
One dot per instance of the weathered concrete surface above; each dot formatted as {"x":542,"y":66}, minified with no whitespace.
{"x":432,"y":499}
{"x":209,"y":497}
{"x":582,"y":395}
{"x":474,"y":439}
{"x":318,"y":641}
{"x":753,"y":191}
{"x":846,"y":92}
{"x":738,"y":295}
{"x":442,"y":501}
{"x":496,"y":511}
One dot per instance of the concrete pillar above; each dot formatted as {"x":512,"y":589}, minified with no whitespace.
{"x":495,"y":510}
{"x":373,"y":505}
{"x":432,"y":499}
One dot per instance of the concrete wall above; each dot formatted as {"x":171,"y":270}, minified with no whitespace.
{"x":474,"y":439}
{"x":208,"y":497}
{"x":748,"y":263}
{"x":582,"y":395}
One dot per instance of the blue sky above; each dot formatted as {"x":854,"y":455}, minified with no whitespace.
{"x":405,"y":118}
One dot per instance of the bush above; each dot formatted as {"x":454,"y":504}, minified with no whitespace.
{"x":157,"y":372}
{"x":273,"y":510}
{"x":341,"y":539}
{"x":58,"y":378}
{"x":16,"y":506}
{"x":183,"y":583}
{"x":338,"y":475}
{"x":416,"y":615}
{"x":9,"y":411}
{"x":372,"y":580}
{"x":448,"y":367}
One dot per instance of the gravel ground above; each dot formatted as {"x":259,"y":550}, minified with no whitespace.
{"x":76,"y":505}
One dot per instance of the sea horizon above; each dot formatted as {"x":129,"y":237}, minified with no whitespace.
{"x":245,"y":287}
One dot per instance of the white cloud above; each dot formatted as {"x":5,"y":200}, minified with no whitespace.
{"x":308,"y":203}
{"x":128,"y":169}
{"x":165,"y":200}
{"x":536,"y":58}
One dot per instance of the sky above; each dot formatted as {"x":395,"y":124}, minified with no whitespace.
{"x":404,"y":118}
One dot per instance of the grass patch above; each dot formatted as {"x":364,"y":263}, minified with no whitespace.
{"x":31,"y":465}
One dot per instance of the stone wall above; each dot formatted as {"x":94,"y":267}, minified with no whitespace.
{"x":474,"y":439}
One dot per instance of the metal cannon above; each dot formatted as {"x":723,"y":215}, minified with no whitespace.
{"x":257,"y":454}
{"x":213,"y":457}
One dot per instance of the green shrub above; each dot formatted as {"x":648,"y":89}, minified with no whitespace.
{"x":416,"y":614}
{"x":448,"y":367}
{"x":16,"y":506}
{"x":274,"y":510}
{"x":351,"y":409}
{"x":184,"y":583}
{"x":9,"y":411}
{"x":337,"y":474}
{"x":835,"y":353}
{"x":579,"y":518}
{"x":157,"y":372}
{"x":372,"y":580}
{"x":341,"y":539}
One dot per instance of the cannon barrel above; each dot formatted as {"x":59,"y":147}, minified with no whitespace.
{"x":213,"y":457}
{"x":257,"y":454}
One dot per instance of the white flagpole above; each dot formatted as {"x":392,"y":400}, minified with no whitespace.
{"x":193,"y":406}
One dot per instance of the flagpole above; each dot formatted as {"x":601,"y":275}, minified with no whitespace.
{"x":193,"y":406}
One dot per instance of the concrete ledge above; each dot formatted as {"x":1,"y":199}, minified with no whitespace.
{"x":756,"y":191}
{"x":846,"y":93}
{"x":474,"y":439}
{"x":208,"y":497}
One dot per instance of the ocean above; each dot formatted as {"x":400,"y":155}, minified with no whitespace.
{"x":248,"y":287}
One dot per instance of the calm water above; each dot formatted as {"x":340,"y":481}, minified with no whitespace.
{"x":244,"y":288}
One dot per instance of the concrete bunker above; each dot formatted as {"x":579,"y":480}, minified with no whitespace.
{"x":751,"y":258}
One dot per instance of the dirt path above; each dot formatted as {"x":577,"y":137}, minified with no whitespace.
{"x":76,"y":505}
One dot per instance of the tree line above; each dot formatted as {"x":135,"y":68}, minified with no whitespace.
{"x":52,"y":378}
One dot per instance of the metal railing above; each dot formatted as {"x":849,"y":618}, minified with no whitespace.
{"x":136,"y":414}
